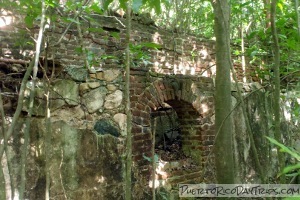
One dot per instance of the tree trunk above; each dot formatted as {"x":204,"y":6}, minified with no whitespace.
{"x":128,"y":163}
{"x":223,"y":144}
{"x":276,"y":94}
{"x":31,"y":102}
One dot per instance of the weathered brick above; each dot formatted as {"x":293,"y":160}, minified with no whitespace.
{"x":145,"y":115}
{"x":148,"y":94}
{"x":137,"y":120}
{"x":141,"y":136}
{"x":147,"y":131}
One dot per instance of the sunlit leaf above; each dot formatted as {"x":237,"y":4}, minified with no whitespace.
{"x":280,"y":6}
{"x":51,"y":3}
{"x":237,"y":52}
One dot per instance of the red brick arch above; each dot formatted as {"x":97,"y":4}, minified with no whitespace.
{"x":190,"y":97}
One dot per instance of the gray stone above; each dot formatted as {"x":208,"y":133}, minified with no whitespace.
{"x":67,"y":90}
{"x":94,"y":85}
{"x":234,"y":88}
{"x":94,"y":99}
{"x":255,"y":86}
{"x":83,"y":88}
{"x":39,"y":107}
{"x":69,"y":115}
{"x":111,"y":74}
{"x":61,"y":93}
{"x":113,"y":100}
{"x":111,"y":87}
{"x":77,"y":73}
{"x":120,"y":118}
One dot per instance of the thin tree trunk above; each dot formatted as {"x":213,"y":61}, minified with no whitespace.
{"x":153,"y":158}
{"x":47,"y":146}
{"x":224,"y":158}
{"x":128,"y":167}
{"x":267,"y":13}
{"x":298,"y":18}
{"x":6,"y":164}
{"x":276,"y":66}
{"x":31,"y":102}
{"x":48,"y":131}
{"x":3,"y":182}
{"x":83,"y":49}
{"x":19,"y":107}
{"x":243,"y":52}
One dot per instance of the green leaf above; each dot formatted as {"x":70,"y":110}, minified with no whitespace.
{"x":104,"y":57}
{"x":96,"y":30}
{"x":246,"y":4}
{"x":293,"y":174}
{"x":123,"y":4}
{"x":72,"y":20}
{"x":236,"y":52}
{"x":280,"y":6}
{"x":253,"y":53}
{"x":106,"y":4}
{"x":150,"y":159}
{"x":51,"y":3}
{"x":78,"y":50}
{"x":95,"y":8}
{"x":156,"y":5}
{"x":115,"y":35}
{"x":156,"y":158}
{"x":281,"y":36}
{"x":136,"y":4}
{"x":147,"y":158}
{"x":151,"y":45}
{"x":29,"y":21}
{"x":290,"y":168}
{"x":284,"y":148}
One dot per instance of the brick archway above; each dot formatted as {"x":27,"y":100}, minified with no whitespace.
{"x":192,"y":100}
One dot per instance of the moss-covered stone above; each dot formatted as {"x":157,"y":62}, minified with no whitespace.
{"x":105,"y":126}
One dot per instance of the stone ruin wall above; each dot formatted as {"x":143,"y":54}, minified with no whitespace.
{"x":85,"y":105}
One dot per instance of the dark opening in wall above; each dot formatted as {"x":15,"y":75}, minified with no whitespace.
{"x":168,"y":139}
